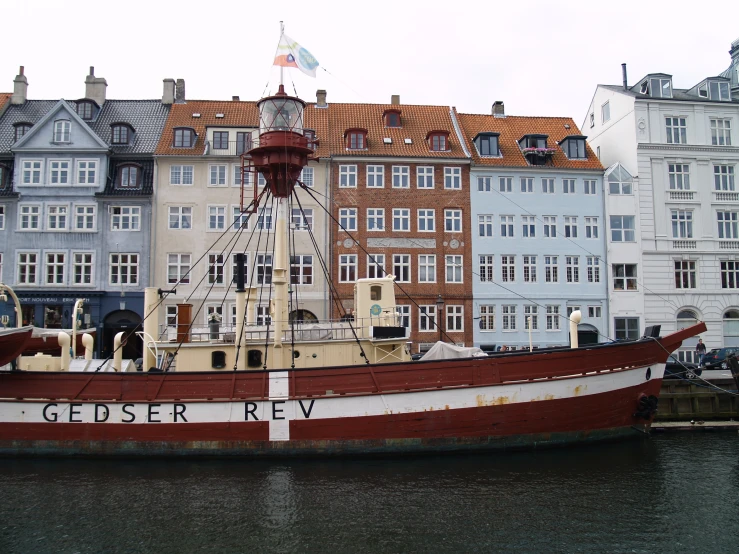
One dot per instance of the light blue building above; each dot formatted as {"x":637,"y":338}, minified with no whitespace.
{"x":75,"y":207}
{"x":538,"y":238}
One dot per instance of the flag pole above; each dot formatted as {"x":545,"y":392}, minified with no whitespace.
{"x":282,"y":32}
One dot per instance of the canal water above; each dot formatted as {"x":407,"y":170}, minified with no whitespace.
{"x":675,"y":492}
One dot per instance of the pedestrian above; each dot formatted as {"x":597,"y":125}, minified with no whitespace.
{"x":700,"y":351}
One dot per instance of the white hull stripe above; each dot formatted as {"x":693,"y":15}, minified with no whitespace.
{"x":279,"y":411}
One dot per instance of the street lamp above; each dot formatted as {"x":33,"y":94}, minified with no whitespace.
{"x":439,"y":307}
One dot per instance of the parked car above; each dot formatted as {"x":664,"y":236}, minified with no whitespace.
{"x":716,"y":358}
{"x":675,"y":369}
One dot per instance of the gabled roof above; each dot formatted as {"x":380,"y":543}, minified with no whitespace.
{"x":235,"y":114}
{"x":512,"y":128}
{"x":61,"y":105}
{"x":416,"y":122}
{"x":30,"y":111}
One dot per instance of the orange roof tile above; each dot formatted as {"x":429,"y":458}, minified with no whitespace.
{"x":512,"y":128}
{"x":416,"y":122}
{"x":236,"y":114}
{"x":4,"y":97}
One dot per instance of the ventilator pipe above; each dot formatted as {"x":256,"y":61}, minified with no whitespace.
{"x":575,"y":319}
{"x":88,"y":342}
{"x":118,"y":351}
{"x":64,"y":342}
{"x":151,"y":320}
{"x":75,"y":312}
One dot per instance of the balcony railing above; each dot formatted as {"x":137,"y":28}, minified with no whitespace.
{"x":682,"y":194}
{"x":726,"y":196}
{"x":684,"y":244}
{"x":728,"y":244}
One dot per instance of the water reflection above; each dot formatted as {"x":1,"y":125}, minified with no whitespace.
{"x":674,"y":492}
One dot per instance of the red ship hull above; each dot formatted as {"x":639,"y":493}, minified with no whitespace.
{"x":522,"y":400}
{"x":12,"y":343}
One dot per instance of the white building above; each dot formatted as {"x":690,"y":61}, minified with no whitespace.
{"x":674,"y":232}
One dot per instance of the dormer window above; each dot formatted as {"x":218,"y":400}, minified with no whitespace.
{"x":310,"y":134}
{"x":715,"y":90}
{"x":535,"y":149}
{"x":21,"y":129}
{"x":391,"y":118}
{"x":355,"y":139}
{"x":121,"y":133}
{"x":657,"y":87}
{"x":438,"y":141}
{"x":574,"y":147}
{"x":4,"y":177}
{"x":129,"y":176}
{"x":487,"y":144}
{"x":533,"y":141}
{"x":184,"y":137}
{"x":85,"y":109}
{"x":62,"y":131}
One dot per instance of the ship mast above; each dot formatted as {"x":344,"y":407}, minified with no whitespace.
{"x":280,"y":156}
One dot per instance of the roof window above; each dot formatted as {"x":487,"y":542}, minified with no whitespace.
{"x":487,"y":144}
{"x":657,"y":87}
{"x":86,"y":109}
{"x":391,"y":117}
{"x":355,"y":139}
{"x":438,"y":141}
{"x":574,"y":147}
{"x":121,"y":133}
{"x":184,"y":137}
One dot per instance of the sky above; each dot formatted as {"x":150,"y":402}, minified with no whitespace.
{"x":541,"y":58}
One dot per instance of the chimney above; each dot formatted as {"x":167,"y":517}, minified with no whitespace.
{"x":179,"y":94}
{"x":321,"y":99}
{"x":168,"y":93}
{"x":20,"y":88}
{"x":498,"y":109}
{"x":95,"y":87}
{"x":395,"y":99}
{"x":623,"y":74}
{"x":235,"y":98}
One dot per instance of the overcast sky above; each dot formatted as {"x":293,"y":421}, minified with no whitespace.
{"x":539,"y":57}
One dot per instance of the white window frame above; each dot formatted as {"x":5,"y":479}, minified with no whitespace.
{"x":508,"y":268}
{"x":234,"y":267}
{"x":301,"y":269}
{"x":181,"y":214}
{"x":33,"y":212}
{"x":216,"y":261}
{"x":401,"y":220}
{"x":177,"y":174}
{"x":127,"y":261}
{"x":348,"y":176}
{"x":686,"y":274}
{"x":529,"y":268}
{"x":83,"y":263}
{"x":179,"y":268}
{"x":427,"y":318}
{"x":570,"y":226}
{"x":486,"y":268}
{"x":2,"y":217}
{"x":625,"y":234}
{"x":723,"y":178}
{"x":62,"y":131}
{"x":452,"y":220}
{"x":401,"y":176}
{"x":375,"y":220}
{"x":265,"y":221}
{"x":568,"y":186}
{"x":132,"y":214}
{"x":428,"y":217}
{"x":678,"y":176}
{"x":486,"y":225}
{"x":552,"y":317}
{"x":572,"y":269}
{"x":217,"y":175}
{"x":217,"y":217}
{"x":57,"y":217}
{"x":347,"y":219}
{"x":454,"y":318}
{"x":373,"y":260}
{"x":239,"y":220}
{"x":57,"y":170}
{"x":487,"y":318}
{"x":527,"y":185}
{"x":676,"y":127}
{"x":453,"y":178}
{"x":301,"y":220}
{"x":348,"y":268}
{"x":402,"y":262}
{"x":720,"y":131}
{"x":505,"y":184}
{"x":90,"y":166}
{"x":26,"y":259}
{"x":375,"y":176}
{"x":595,"y":312}
{"x":506,"y":226}
{"x":727,"y":224}
{"x":593,"y":265}
{"x":624,"y":279}
{"x":306,"y":177}
{"x":528,"y":226}
{"x":591,"y":227}
{"x":551,"y":269}
{"x":424,"y":177}
{"x":508,"y":318}
{"x":454,"y":265}
{"x":531,"y":311}
{"x":605,"y":112}
{"x":485,"y":184}
{"x":550,"y":226}
{"x":427,"y":268}
{"x":682,"y":223}
{"x":589,"y":186}
{"x":547,"y":185}
{"x":34,"y":171}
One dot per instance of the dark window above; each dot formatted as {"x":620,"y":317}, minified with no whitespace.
{"x":184,"y":138}
{"x":84,"y":110}
{"x":355,"y":141}
{"x":487,"y":144}
{"x":392,"y":119}
{"x":438,"y":142}
{"x":311,"y":136}
{"x":21,"y":129}
{"x":3,"y":176}
{"x":128,"y":176}
{"x":220,"y":140}
{"x":243,"y":143}
{"x":121,"y":134}
{"x":575,"y":148}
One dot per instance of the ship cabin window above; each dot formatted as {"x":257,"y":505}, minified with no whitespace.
{"x":438,"y":141}
{"x":391,"y":118}
{"x":376,"y":292}
{"x":487,"y":144}
{"x":355,"y":139}
{"x":254,"y":358}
